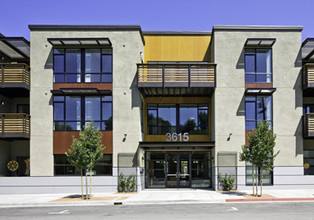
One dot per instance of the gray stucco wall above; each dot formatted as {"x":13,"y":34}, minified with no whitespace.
{"x":287,"y":99}
{"x":127,"y":46}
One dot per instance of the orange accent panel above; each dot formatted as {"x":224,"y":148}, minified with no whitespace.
{"x":100,"y":86}
{"x":62,"y":141}
{"x":258,"y":85}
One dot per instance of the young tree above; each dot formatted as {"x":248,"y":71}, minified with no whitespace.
{"x":260,"y":151}
{"x":85,"y":152}
{"x":91,"y":140}
{"x":77,"y":157}
{"x":246,"y":154}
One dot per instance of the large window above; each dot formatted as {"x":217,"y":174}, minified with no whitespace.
{"x":63,"y":167}
{"x":72,"y":112}
{"x":82,"y":65}
{"x":258,"y":66}
{"x":267,"y":175}
{"x":308,"y":162}
{"x":257,"y":108}
{"x":179,"y":118}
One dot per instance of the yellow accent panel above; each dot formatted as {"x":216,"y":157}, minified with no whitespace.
{"x":176,"y":48}
{"x":177,"y":100}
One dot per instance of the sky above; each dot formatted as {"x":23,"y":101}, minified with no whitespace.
{"x":155,"y":15}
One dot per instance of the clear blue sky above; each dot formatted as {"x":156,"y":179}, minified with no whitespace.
{"x":151,"y":15}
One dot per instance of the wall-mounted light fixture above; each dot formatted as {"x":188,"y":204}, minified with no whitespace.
{"x":2,"y":102}
{"x":228,"y":139}
{"x":124,"y":138}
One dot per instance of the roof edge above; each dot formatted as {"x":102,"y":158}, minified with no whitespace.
{"x":257,"y":27}
{"x":35,"y":27}
{"x":177,"y":32}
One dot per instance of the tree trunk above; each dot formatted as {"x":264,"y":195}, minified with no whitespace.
{"x":82,"y":184}
{"x":256,"y":184}
{"x":253,"y":179}
{"x":261,"y":181}
{"x":90,"y":183}
{"x":86,"y":197}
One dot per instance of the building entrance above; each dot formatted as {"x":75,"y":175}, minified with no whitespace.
{"x":178,"y":169}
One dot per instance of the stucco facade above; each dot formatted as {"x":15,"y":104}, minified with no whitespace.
{"x":136,"y":148}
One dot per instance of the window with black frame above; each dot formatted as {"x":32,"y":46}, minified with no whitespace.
{"x":257,"y":108}
{"x":267,"y":175}
{"x":82,"y":65}
{"x":63,"y":167}
{"x":258,"y":65}
{"x":177,"y":118}
{"x":308,"y":157}
{"x":68,"y":112}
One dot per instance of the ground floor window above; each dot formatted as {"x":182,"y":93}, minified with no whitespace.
{"x":63,"y":167}
{"x":183,"y":169}
{"x":267,"y":175}
{"x":308,"y":162}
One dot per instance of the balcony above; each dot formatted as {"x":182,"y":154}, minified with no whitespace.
{"x":14,"y":126}
{"x":308,"y":125}
{"x":14,"y":79}
{"x":308,"y":79}
{"x":176,"y":79}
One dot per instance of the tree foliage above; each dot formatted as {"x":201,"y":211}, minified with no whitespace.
{"x":86,"y":151}
{"x":260,"y":150}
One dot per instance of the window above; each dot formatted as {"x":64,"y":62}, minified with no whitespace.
{"x":257,"y":108}
{"x":258,"y":66}
{"x":179,"y":118}
{"x":308,"y":108}
{"x":267,"y":175}
{"x":308,"y":157}
{"x":63,"y":167}
{"x":82,"y":65}
{"x":68,"y":112}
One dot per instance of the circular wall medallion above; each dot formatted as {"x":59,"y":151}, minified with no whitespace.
{"x":306,"y":166}
{"x":13,"y":165}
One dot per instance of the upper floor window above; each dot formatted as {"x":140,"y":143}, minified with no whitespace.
{"x":82,"y":65}
{"x":258,"y":65}
{"x":179,"y":118}
{"x":257,"y":108}
{"x":308,"y":108}
{"x":72,"y":112}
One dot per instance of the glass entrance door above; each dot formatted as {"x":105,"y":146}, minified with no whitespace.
{"x":178,"y":169}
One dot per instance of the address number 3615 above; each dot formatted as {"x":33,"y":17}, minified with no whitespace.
{"x":177,"y":137}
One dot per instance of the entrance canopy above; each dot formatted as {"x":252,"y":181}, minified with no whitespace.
{"x":177,"y":145}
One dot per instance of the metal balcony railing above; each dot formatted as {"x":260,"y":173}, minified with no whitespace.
{"x":176,"y":75}
{"x":14,"y":75}
{"x":308,"y":125}
{"x":308,"y":75}
{"x":14,"y":125}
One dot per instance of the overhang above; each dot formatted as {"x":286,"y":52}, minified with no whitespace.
{"x":308,"y":49}
{"x":15,"y":47}
{"x":81,"y":91}
{"x":260,"y":91}
{"x":79,"y":42}
{"x":177,"y":145}
{"x":260,"y":42}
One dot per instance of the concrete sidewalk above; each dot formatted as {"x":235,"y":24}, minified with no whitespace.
{"x":152,"y":197}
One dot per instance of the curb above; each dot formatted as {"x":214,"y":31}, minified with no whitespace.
{"x":271,"y":200}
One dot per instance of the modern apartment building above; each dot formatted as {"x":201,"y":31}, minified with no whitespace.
{"x":174,"y":108}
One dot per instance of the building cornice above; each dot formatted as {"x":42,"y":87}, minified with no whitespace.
{"x":87,"y":28}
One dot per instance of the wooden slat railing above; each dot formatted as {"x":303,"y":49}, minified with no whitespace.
{"x":308,"y":75}
{"x":14,"y":125}
{"x":176,"y":75}
{"x":14,"y":74}
{"x":308,"y":125}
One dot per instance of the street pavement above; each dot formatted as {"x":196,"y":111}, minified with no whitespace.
{"x":146,"y":197}
{"x":225,"y":211}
